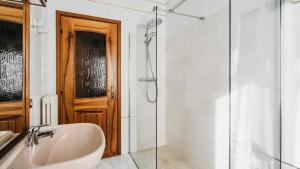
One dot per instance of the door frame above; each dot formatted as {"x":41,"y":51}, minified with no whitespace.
{"x":60,"y":14}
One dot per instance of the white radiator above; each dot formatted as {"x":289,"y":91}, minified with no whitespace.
{"x":50,"y":110}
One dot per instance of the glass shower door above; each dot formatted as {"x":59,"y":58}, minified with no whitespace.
{"x":143,"y":92}
{"x":255,"y":84}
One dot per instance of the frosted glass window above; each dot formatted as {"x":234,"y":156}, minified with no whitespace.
{"x":11,"y":61}
{"x":90,"y":64}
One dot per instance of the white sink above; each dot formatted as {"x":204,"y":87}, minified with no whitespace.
{"x":74,"y":146}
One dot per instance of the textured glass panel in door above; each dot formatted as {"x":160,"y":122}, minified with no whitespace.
{"x":90,"y":64}
{"x":11,"y":61}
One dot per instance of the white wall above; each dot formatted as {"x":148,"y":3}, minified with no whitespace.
{"x":290,"y":84}
{"x":35,"y":68}
{"x":129,"y":13}
{"x":197,"y":85}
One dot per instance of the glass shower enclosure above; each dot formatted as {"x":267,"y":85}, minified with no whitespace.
{"x":205,"y":86}
{"x":144,"y":91}
{"x":255,"y":84}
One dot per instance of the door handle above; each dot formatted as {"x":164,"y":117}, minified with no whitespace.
{"x":112,"y":92}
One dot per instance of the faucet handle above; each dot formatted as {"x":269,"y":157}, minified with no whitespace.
{"x":34,"y":128}
{"x":32,"y":131}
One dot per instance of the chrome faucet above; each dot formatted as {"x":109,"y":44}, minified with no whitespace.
{"x":34,"y":134}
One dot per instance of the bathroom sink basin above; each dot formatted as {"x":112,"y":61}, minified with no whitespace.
{"x":73,"y":146}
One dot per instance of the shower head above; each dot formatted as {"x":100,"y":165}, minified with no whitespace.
{"x":149,"y":37}
{"x":152,"y":23}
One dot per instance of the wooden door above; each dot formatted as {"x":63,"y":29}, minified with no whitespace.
{"x":88,"y":75}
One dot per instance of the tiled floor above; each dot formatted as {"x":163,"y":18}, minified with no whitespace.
{"x":168,"y":160}
{"x":119,"y":162}
{"x":145,"y":160}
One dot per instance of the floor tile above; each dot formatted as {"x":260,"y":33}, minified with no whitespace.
{"x":166,"y":159}
{"x":145,"y":160}
{"x":105,"y":164}
{"x":118,"y":162}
